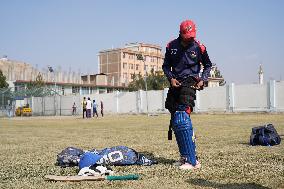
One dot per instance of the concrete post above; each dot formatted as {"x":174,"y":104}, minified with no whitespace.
{"x":32,"y":105}
{"x":272,"y":96}
{"x":60,"y":99}
{"x":55,"y":105}
{"x":117,"y":101}
{"x":230,"y":93}
{"x":197,"y":102}
{"x":139,"y":101}
{"x":43,"y":106}
{"x":165,"y":92}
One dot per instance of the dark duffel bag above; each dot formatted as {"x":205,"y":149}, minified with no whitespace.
{"x":264,"y":135}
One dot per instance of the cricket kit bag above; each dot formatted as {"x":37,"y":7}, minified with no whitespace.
{"x":122,"y":155}
{"x":69,"y":157}
{"x":185,"y":136}
{"x":264,"y":135}
{"x":88,"y":165}
{"x":88,"y":159}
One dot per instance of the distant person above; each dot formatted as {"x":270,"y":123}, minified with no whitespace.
{"x":84,"y":104}
{"x":89,"y":107}
{"x":95,"y":109}
{"x":9,"y":110}
{"x":74,"y":109}
{"x":102,"y":108}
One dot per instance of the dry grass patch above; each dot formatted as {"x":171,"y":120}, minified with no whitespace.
{"x":29,"y":147}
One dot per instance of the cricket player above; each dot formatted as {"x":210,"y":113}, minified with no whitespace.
{"x":184,"y":59}
{"x":84,"y":104}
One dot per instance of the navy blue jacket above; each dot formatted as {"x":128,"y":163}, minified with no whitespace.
{"x":181,"y":62}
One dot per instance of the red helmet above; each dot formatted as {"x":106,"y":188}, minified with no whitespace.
{"x":187,"y":29}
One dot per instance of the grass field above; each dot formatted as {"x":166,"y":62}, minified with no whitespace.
{"x":29,"y":147}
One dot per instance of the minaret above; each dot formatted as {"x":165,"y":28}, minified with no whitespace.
{"x":260,"y":75}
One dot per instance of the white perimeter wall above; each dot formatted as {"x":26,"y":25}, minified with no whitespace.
{"x":231,"y":98}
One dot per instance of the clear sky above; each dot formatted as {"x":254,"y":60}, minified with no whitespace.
{"x":239,"y":35}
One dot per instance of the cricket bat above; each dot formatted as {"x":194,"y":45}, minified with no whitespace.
{"x":90,"y":178}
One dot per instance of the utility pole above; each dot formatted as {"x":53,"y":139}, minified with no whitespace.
{"x":51,"y":70}
{"x":141,"y":57}
{"x":260,"y":75}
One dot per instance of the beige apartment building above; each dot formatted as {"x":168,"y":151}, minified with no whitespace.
{"x":19,"y":74}
{"x":17,"y":70}
{"x":120,"y":64}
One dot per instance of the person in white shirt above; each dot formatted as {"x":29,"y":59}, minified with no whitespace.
{"x":89,"y":107}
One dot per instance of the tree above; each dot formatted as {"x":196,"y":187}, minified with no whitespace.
{"x":155,"y":81}
{"x":219,"y":75}
{"x":38,"y":83}
{"x":3,"y":83}
{"x":137,"y":83}
{"x":36,"y":88}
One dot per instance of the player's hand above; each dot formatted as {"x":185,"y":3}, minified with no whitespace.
{"x":200,"y":85}
{"x":175,"y":83}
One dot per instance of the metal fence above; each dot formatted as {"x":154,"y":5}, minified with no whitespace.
{"x":10,"y":98}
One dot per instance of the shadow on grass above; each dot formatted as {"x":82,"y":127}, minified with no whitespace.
{"x":206,"y":183}
{"x":245,"y":143}
{"x":159,"y":160}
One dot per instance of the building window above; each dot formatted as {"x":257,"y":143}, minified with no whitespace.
{"x":62,"y":89}
{"x":145,"y":67}
{"x":19,"y":87}
{"x":137,"y":66}
{"x":102,"y":91}
{"x":75,"y":90}
{"x":137,"y":57}
{"x":123,"y":55}
{"x":124,"y":75}
{"x":148,"y":59}
{"x":131,"y":66}
{"x":124,"y":65}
